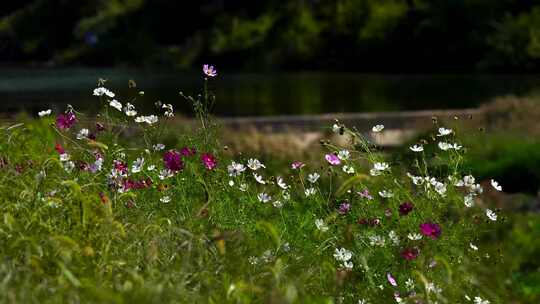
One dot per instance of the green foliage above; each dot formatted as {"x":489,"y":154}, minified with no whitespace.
{"x":439,"y":35}
{"x":126,"y":232}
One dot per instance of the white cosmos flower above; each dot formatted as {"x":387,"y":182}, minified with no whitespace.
{"x":165,"y":173}
{"x":313,"y":177}
{"x":158,"y":147}
{"x":129,"y":110}
{"x":235,"y":169}
{"x":151,"y":168}
{"x":473,"y":247}
{"x":254,"y":164}
{"x":281,"y":183}
{"x":310,"y":191}
{"x":444,"y":146}
{"x":169,"y":112}
{"x":165,"y":199}
{"x":386,"y":193}
{"x":414,"y":236}
{"x":478,"y":300}
{"x":440,"y":188}
{"x":342,"y":254}
{"x":137,"y":165}
{"x":444,"y":132}
{"x":377,"y":128}
{"x":392,"y":235}
{"x":243,"y":187}
{"x":343,"y":154}
{"x":45,"y":113}
{"x":476,"y":188}
{"x":115,"y":104}
{"x":491,"y":215}
{"x":496,"y":185}
{"x":319,"y":223}
{"x":259,"y":178}
{"x":151,"y":119}
{"x":264,"y":197}
{"x":100,"y":91}
{"x":456,"y":146}
{"x":83,"y":133}
{"x":380,"y":166}
{"x":348,"y":169}
{"x":277,"y":204}
{"x":417,"y":180}
{"x":231,"y":183}
{"x":64,"y":157}
{"x":409,"y":284}
{"x":68,"y":166}
{"x":468,"y":200}
{"x":378,"y":169}
{"x":416,"y":148}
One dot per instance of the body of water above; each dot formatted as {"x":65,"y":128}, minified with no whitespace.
{"x":258,"y":94}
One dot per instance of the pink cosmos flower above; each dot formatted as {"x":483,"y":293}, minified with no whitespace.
{"x":65,"y":121}
{"x":405,"y":208}
{"x":185,"y":151}
{"x":332,"y":159}
{"x":297,"y":165}
{"x":409,"y":253}
{"x":391,"y":279}
{"x":431,"y":230}
{"x":209,"y":161}
{"x":209,"y":70}
{"x":172,"y":160}
{"x":365,"y":194}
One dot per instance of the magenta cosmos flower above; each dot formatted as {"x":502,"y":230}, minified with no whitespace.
{"x":65,"y":121}
{"x":405,"y":208}
{"x":209,"y":70}
{"x":409,"y":253}
{"x":173,"y":161}
{"x":209,"y":161}
{"x":332,"y":159}
{"x":431,"y":230}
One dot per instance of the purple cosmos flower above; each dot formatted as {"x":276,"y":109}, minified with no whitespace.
{"x":332,"y":159}
{"x":431,"y":230}
{"x":65,"y":121}
{"x":209,"y":70}
{"x":391,"y":279}
{"x":172,"y":160}
{"x":185,"y":151}
{"x":209,"y":161}
{"x":297,"y":165}
{"x":409,"y":253}
{"x":344,"y":208}
{"x":405,"y":208}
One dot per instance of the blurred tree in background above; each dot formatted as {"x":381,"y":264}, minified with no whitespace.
{"x":366,"y":35}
